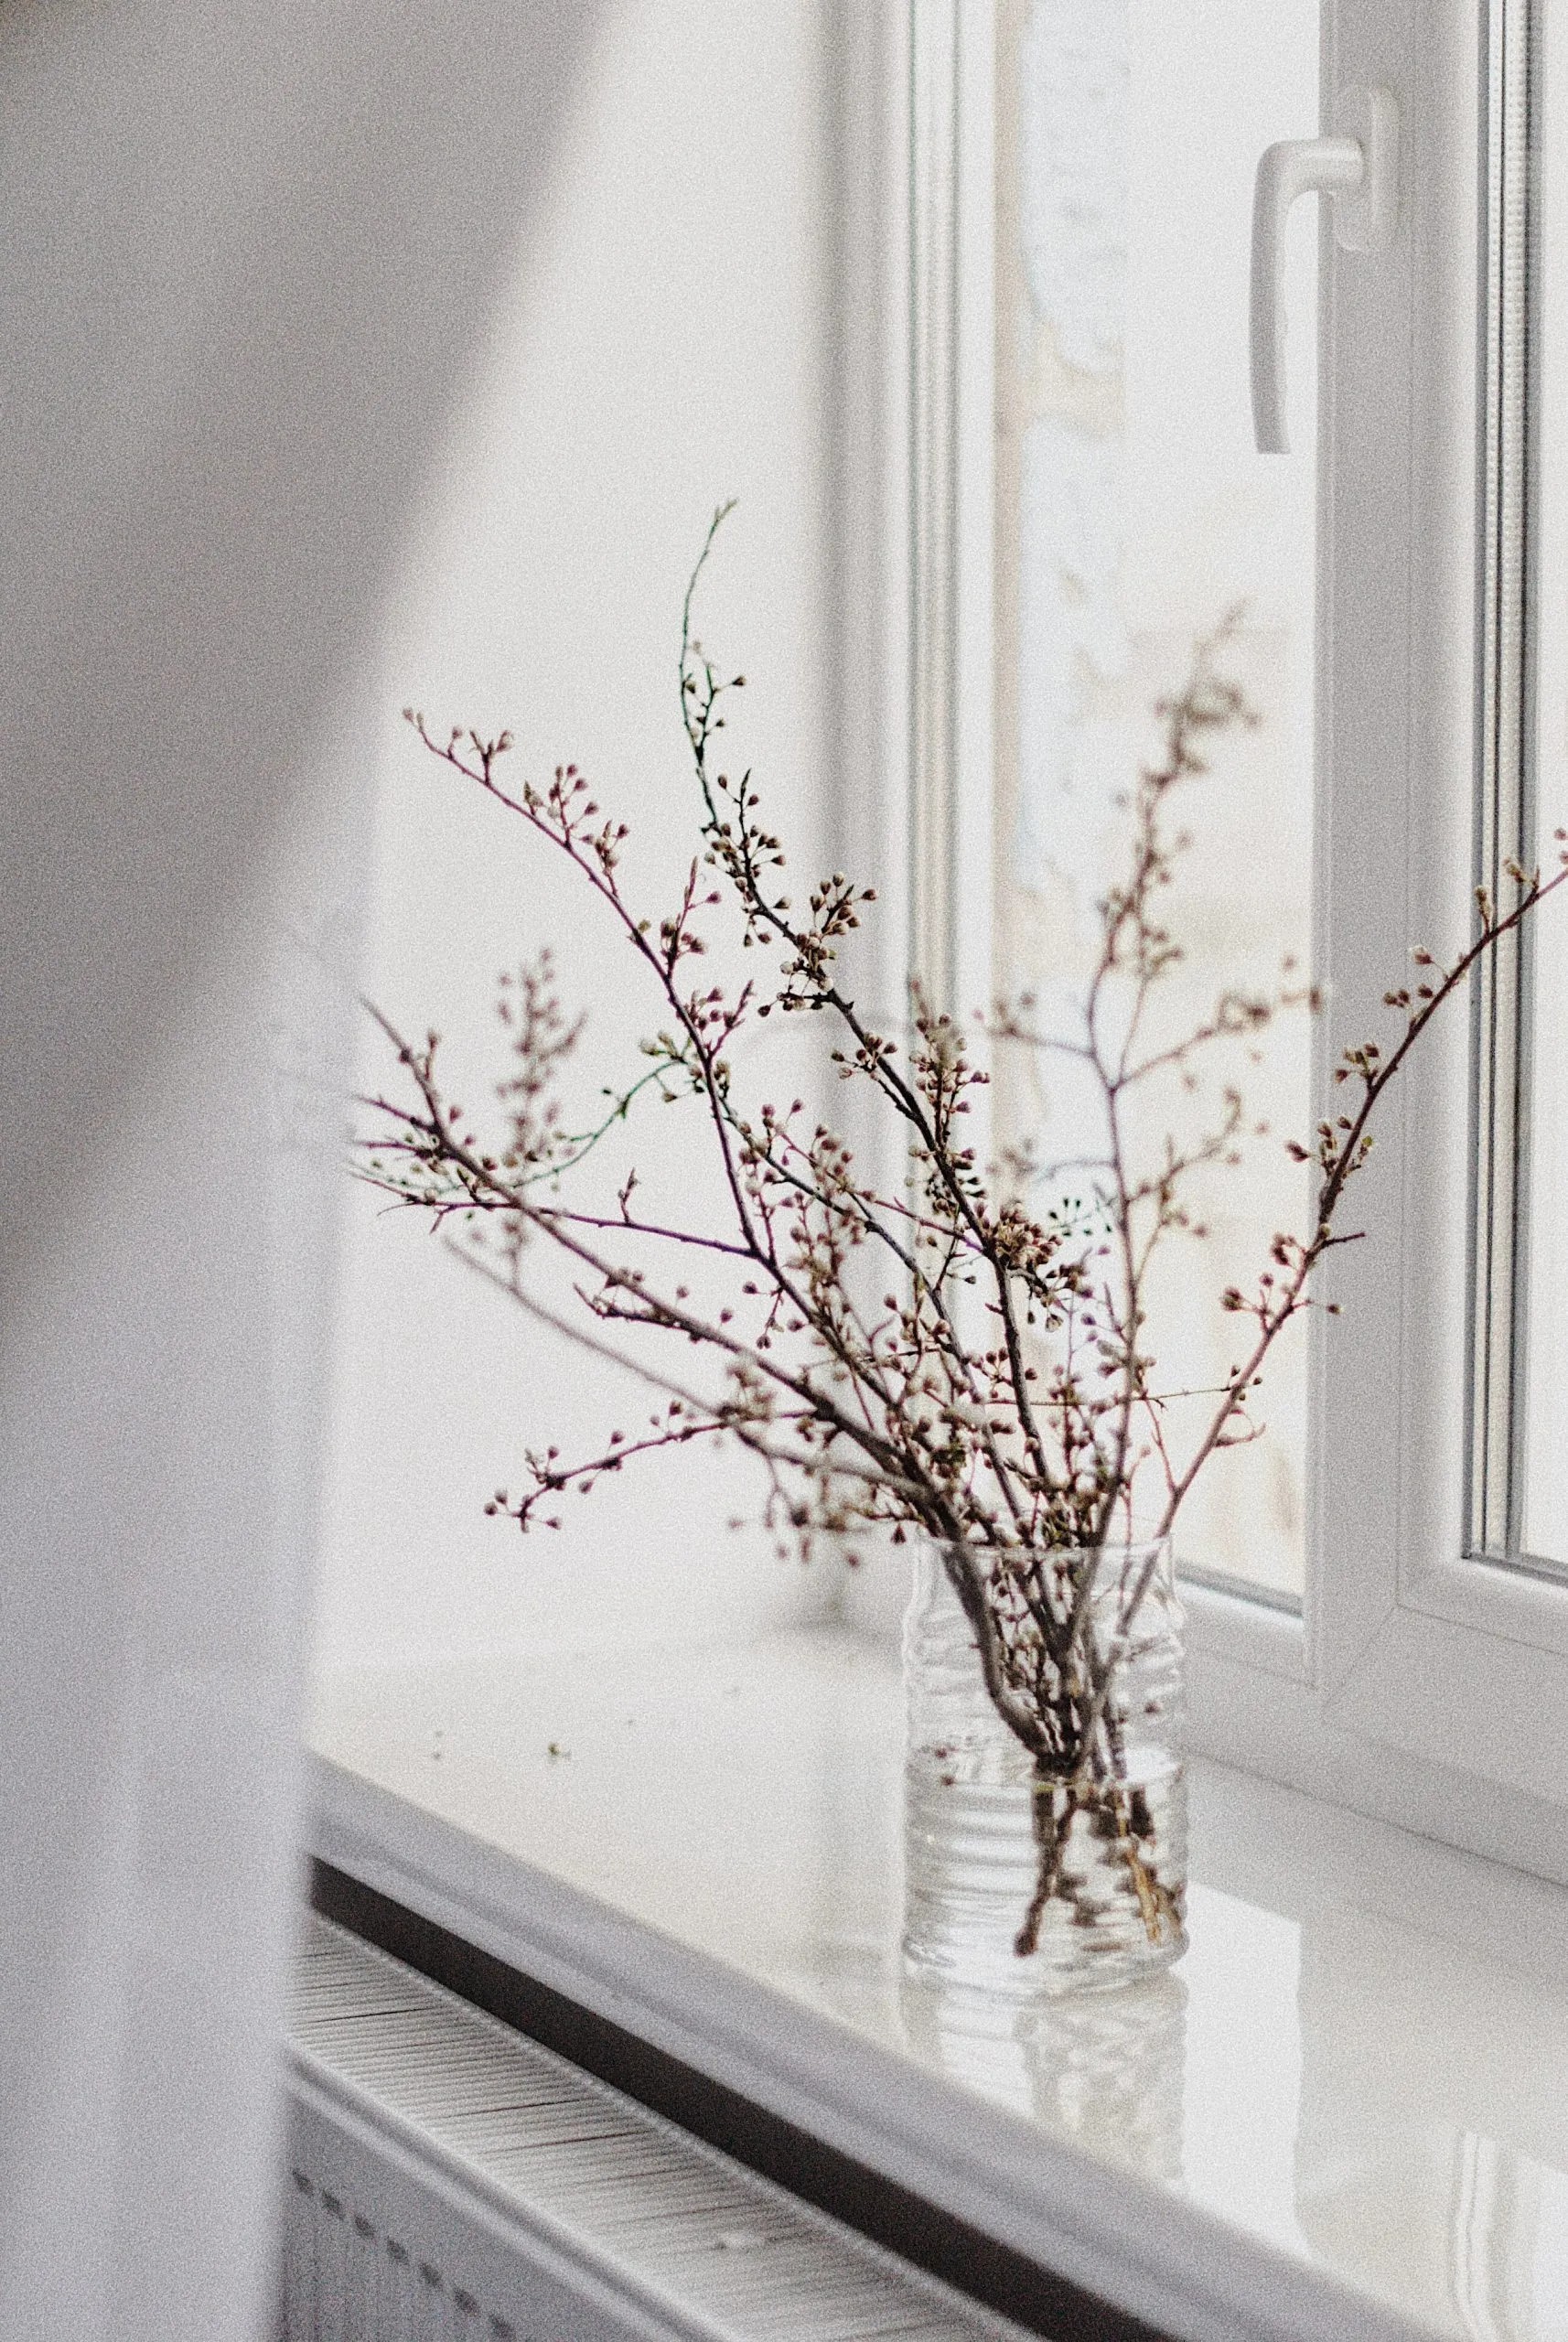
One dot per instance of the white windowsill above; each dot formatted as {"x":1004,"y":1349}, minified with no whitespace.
{"x":1343,"y":2114}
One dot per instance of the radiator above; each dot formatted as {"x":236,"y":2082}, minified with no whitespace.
{"x":449,"y":2178}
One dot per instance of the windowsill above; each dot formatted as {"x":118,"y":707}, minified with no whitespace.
{"x":1346,"y":2099}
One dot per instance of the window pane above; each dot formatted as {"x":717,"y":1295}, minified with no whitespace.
{"x":1134,"y":515}
{"x":1543,"y":1530}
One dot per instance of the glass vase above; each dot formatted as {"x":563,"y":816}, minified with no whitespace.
{"x":1046,"y":1854}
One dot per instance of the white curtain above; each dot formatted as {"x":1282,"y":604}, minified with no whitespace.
{"x":246,"y":254}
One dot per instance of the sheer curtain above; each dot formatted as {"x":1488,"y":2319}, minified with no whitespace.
{"x":247,"y":256}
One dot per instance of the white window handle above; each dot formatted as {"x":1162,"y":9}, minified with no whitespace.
{"x":1359,"y":168}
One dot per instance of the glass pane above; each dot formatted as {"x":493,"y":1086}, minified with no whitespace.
{"x":1543,"y":1528}
{"x":1134,"y":515}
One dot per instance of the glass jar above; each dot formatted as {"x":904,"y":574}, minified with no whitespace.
{"x":1047,"y":1854}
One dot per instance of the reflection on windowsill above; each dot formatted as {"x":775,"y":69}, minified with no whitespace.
{"x":1105,"y":2069}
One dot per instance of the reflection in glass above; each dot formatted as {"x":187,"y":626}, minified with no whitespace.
{"x":1134,"y":513}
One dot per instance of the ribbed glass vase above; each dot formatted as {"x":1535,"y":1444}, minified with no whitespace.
{"x":1054,"y":1864}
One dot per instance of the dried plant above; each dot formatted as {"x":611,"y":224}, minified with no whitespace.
{"x":940,"y":1361}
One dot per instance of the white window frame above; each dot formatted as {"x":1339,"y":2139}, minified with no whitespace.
{"x":1419,"y":1684}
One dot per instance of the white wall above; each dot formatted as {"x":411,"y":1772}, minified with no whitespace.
{"x":246,"y":257}
{"x":677,"y":337}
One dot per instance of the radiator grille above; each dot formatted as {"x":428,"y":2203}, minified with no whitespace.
{"x":450,"y":2178}
{"x":344,"y":2282}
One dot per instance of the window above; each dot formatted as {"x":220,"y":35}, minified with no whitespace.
{"x":1135,"y":513}
{"x":1402,"y":639}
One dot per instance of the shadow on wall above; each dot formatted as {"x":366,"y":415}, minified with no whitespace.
{"x":247,"y":257}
